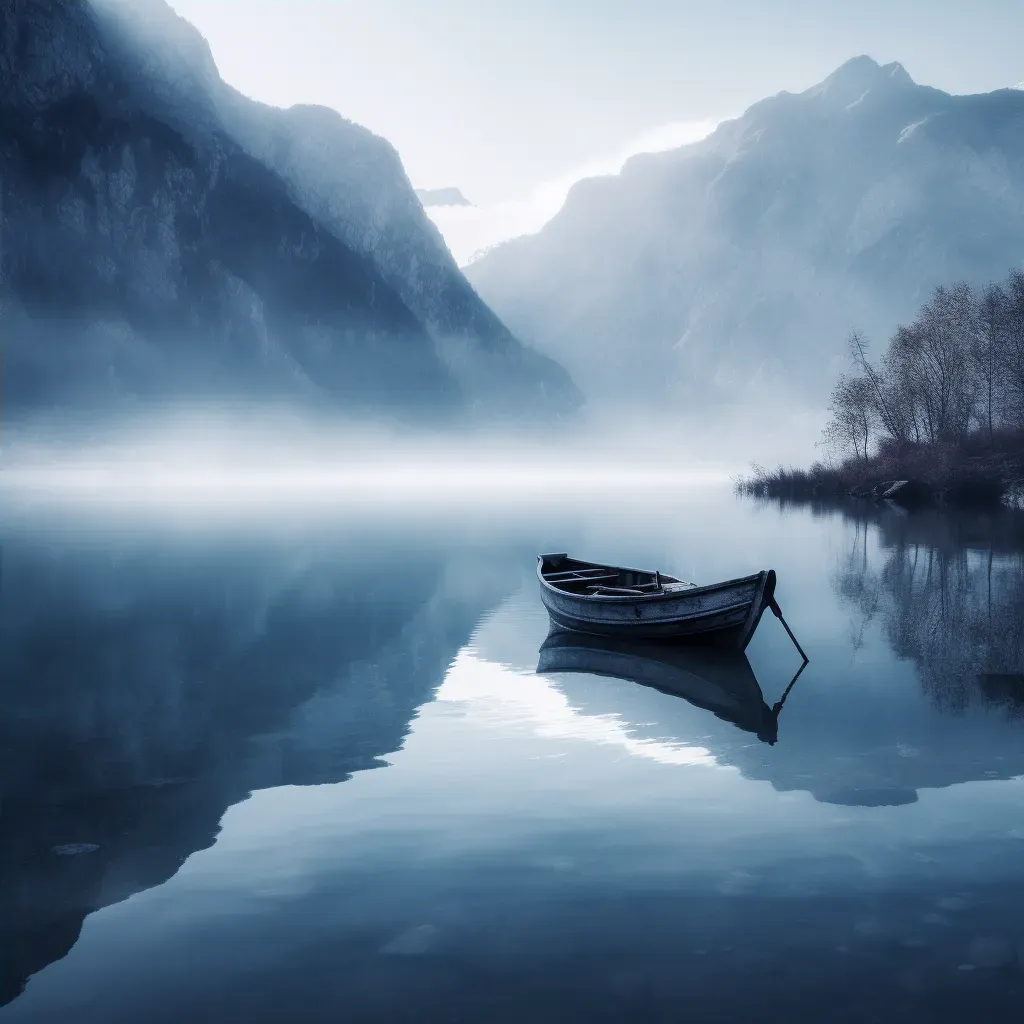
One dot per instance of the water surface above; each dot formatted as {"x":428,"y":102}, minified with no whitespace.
{"x":312,"y":774}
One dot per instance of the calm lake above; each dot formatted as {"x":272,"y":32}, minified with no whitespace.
{"x":254,"y":773}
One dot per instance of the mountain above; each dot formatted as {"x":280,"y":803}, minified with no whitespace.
{"x":442,"y":197}
{"x":162,"y":236}
{"x":736,"y":266}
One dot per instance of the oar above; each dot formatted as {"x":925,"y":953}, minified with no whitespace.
{"x":777,"y":707}
{"x":778,"y":614}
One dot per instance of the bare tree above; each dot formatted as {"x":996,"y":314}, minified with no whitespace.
{"x":930,"y":365}
{"x":957,"y":367}
{"x":987,"y":353}
{"x":853,"y":416}
{"x":1013,"y":350}
{"x":963,"y":324}
{"x":858,"y":346}
{"x":901,"y":381}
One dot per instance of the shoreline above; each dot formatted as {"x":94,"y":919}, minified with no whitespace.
{"x":920,"y":476}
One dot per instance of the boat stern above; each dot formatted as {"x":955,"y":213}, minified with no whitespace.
{"x":764,"y":594}
{"x":551,"y":561}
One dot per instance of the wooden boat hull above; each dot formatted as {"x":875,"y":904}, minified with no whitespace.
{"x":721,"y":613}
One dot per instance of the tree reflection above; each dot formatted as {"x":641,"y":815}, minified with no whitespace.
{"x":948,"y":594}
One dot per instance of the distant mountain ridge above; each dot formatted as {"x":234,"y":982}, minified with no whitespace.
{"x":736,"y":266}
{"x":163,"y":236}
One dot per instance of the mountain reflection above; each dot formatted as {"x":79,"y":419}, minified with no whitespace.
{"x":143,"y":693}
{"x":948,"y":593}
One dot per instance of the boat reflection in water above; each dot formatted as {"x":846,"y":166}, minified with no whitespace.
{"x":715,"y":679}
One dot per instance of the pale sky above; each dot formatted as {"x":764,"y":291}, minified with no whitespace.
{"x":499,"y":96}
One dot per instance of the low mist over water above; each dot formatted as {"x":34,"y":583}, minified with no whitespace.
{"x":281,"y":467}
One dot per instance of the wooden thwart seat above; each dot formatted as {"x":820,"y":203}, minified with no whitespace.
{"x":581,"y":581}
{"x":579,"y":574}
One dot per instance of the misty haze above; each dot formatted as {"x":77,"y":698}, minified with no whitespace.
{"x":417,"y":420}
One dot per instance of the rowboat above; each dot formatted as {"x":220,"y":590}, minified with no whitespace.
{"x":610,"y":600}
{"x":715,"y":679}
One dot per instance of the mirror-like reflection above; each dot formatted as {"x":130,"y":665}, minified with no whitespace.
{"x":949,"y":594}
{"x":855,"y":736}
{"x":289,"y":778}
{"x":719,"y":680}
{"x":146,"y":692}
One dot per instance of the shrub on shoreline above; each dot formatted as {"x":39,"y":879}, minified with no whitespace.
{"x":977,"y":470}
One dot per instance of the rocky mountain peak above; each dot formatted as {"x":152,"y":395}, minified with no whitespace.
{"x":858,"y":76}
{"x":743,"y":261}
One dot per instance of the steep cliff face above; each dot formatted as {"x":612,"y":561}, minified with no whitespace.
{"x":740,"y":263}
{"x":157,"y":241}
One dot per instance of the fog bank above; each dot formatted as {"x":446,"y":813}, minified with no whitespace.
{"x":196,"y":460}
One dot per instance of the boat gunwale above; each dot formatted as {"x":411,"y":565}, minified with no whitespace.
{"x":692,"y":591}
{"x":695,"y":617}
